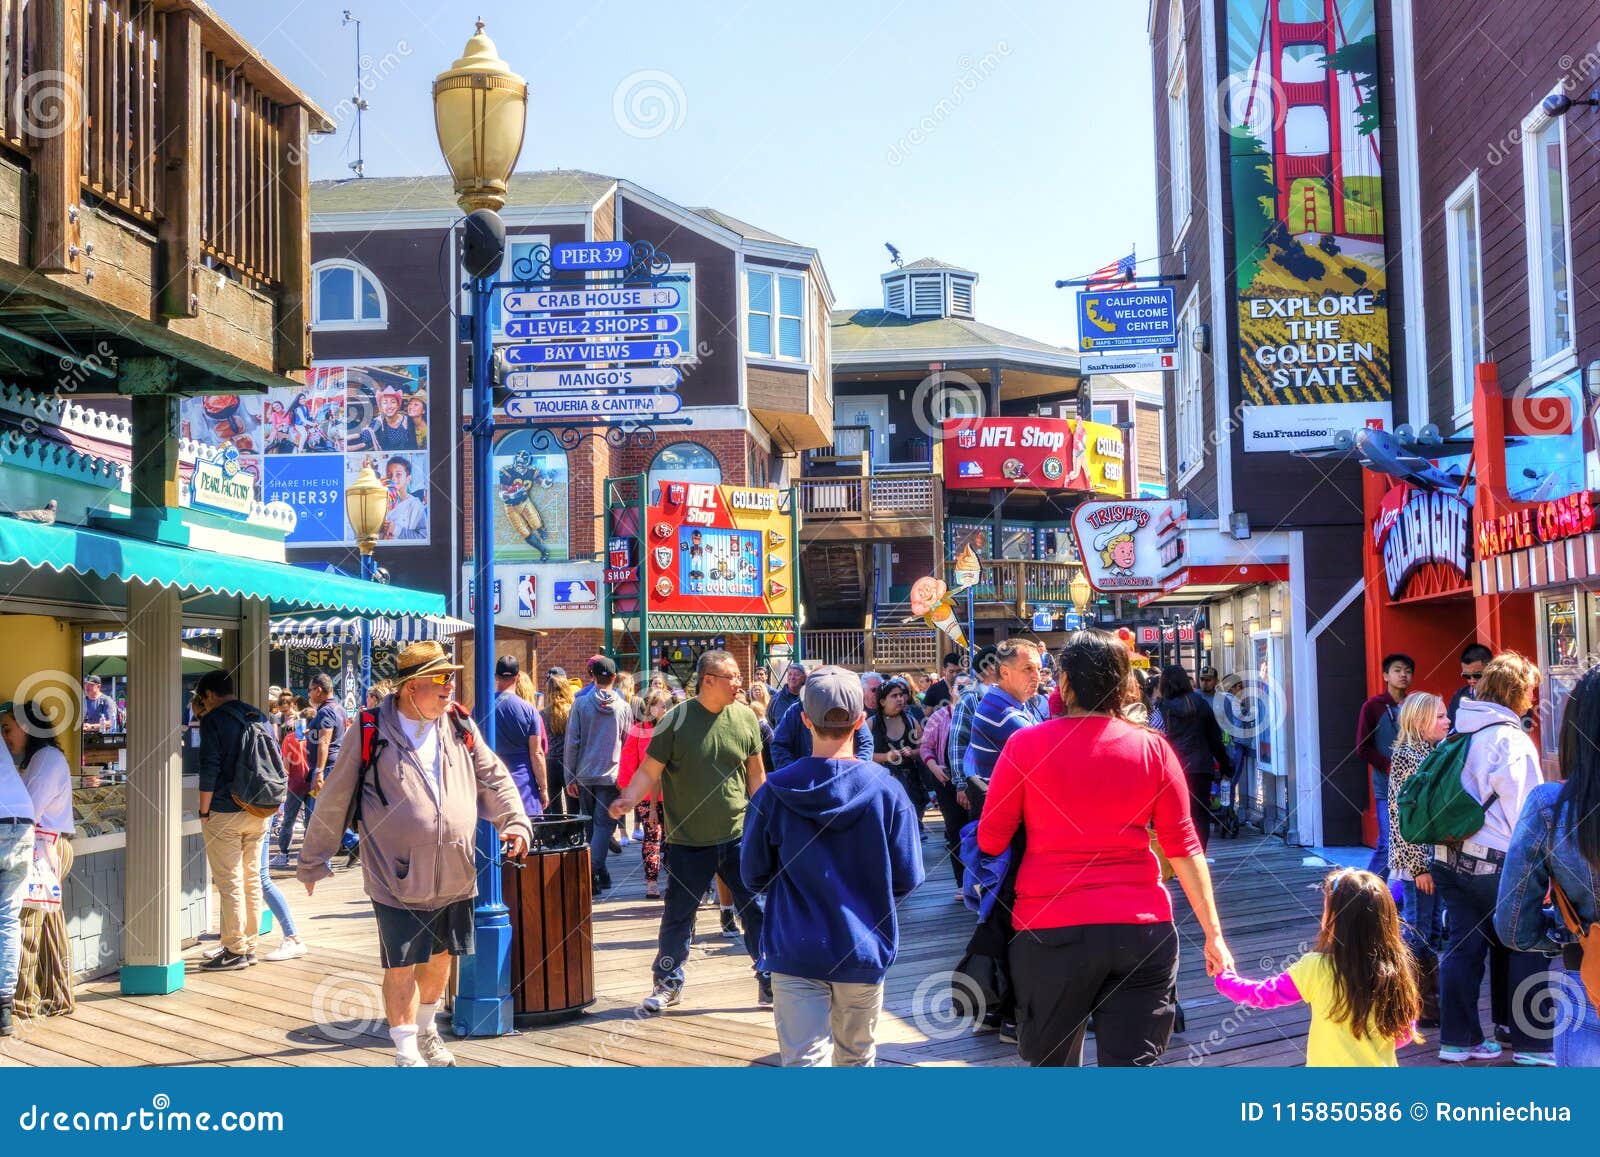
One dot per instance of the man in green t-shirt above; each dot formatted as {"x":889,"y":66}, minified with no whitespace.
{"x":705,"y":754}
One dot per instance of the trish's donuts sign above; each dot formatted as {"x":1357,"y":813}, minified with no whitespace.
{"x":1131,"y":545}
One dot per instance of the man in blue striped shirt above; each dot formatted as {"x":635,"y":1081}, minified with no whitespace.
{"x":1005,"y":709}
{"x":966,"y":705}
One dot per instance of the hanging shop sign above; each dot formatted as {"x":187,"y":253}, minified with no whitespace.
{"x":1418,"y":527}
{"x":720,"y":550}
{"x":622,"y":560}
{"x":1127,"y":319}
{"x":223,"y":485}
{"x":1131,"y":545}
{"x":622,"y":325}
{"x":1537,"y":524}
{"x":576,"y":353}
{"x":1040,"y":453}
{"x":1311,"y":284}
{"x":593,"y":405}
{"x":572,"y":300}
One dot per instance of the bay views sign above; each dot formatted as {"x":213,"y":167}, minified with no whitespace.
{"x":1417,"y":527}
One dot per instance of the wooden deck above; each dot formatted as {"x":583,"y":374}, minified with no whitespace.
{"x":324,"y":1009}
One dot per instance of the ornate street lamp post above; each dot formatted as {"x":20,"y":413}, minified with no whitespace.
{"x":480,"y":111}
{"x":366,"y":505}
{"x":1081,"y":591}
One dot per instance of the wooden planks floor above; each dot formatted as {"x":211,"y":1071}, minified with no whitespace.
{"x":324,"y":1009}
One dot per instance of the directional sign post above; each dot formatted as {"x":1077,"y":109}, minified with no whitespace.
{"x":620,"y":325}
{"x":568,"y":256}
{"x":1127,"y":319}
{"x":570,"y":300}
{"x":539,"y":381}
{"x":577,"y":353}
{"x":593,"y":405}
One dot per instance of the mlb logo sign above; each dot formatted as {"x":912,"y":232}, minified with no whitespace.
{"x":966,"y":439}
{"x":971,"y":470}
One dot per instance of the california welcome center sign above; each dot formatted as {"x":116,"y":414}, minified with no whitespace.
{"x":1307,"y":223}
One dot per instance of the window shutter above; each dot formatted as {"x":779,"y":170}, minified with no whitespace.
{"x":760,"y":312}
{"x":790,"y":342}
{"x":790,"y":295}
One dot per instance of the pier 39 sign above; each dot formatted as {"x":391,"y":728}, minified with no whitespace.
{"x":1417,"y":527}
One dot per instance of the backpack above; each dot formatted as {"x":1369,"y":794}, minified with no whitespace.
{"x":1433,"y":806}
{"x":293,"y":749}
{"x":1587,"y":938}
{"x":260,"y":782}
{"x":372,"y":743}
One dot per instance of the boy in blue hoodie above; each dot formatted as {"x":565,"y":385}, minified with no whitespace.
{"x":833,"y":842}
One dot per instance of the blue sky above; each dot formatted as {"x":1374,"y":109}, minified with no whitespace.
{"x":1012,"y":138}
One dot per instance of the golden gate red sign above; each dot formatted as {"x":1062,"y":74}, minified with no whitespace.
{"x":1537,"y":524}
{"x":1418,"y":529}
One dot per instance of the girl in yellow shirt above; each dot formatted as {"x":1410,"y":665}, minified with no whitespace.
{"x":1359,"y":979}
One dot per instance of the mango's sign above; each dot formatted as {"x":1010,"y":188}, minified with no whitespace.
{"x":221,"y":485}
{"x":1537,"y":524}
{"x":1417,"y":527}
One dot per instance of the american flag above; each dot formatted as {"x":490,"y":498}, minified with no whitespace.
{"x":1118,"y":273}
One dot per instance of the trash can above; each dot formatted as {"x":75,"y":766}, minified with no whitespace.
{"x":551,"y":904}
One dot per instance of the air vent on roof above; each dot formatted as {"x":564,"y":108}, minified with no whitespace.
{"x":927,"y":295}
{"x":961,"y":296}
{"x":894,"y":296}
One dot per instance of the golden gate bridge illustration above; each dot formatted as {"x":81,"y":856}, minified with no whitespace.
{"x":1284,"y":96}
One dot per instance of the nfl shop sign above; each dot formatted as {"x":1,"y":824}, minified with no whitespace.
{"x":719,"y":550}
{"x":622,"y":560}
{"x":1537,"y":524}
{"x":1044,"y":453}
{"x":1131,"y":545}
{"x":1418,"y":527}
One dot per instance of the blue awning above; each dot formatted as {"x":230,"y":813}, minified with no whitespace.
{"x":76,"y":550}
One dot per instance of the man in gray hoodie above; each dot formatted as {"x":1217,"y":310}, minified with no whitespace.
{"x":596,"y":728}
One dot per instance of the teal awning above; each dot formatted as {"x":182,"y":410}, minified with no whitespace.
{"x":116,"y":557}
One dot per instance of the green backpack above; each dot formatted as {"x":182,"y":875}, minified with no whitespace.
{"x":1433,"y":806}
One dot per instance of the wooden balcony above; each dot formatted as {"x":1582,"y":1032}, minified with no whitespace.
{"x":153,"y":195}
{"x":1012,"y":588}
{"x":887,"y":649}
{"x":865,"y":506}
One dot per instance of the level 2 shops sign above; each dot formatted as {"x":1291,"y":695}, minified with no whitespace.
{"x":1418,"y":527}
{"x":1537,"y":524}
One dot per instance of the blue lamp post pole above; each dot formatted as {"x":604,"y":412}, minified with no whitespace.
{"x":480,"y":110}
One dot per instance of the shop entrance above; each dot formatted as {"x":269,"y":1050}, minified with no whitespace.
{"x":678,"y":656}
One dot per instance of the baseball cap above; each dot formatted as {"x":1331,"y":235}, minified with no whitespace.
{"x":832,"y":697}
{"x":95,"y":679}
{"x":507,"y":667}
{"x":555,"y":672}
{"x":1208,"y":672}
{"x":601,"y":667}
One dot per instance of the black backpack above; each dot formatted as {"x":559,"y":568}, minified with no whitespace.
{"x":260,"y":781}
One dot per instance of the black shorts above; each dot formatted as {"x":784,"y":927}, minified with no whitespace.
{"x":408,"y":936}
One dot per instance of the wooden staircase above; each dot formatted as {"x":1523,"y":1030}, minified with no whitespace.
{"x":833,"y":582}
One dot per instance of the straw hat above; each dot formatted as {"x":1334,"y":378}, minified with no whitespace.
{"x":420,"y":659}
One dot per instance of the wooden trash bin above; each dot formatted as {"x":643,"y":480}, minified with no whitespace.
{"x":551,"y":904}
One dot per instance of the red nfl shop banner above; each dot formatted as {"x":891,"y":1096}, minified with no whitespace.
{"x":1045,"y":453}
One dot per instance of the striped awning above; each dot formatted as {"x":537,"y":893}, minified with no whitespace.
{"x":1550,"y":564}
{"x":331,"y":631}
{"x":187,"y":633}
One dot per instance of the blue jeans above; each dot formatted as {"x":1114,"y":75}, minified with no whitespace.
{"x":596,"y":802}
{"x":1379,"y":864}
{"x":1578,"y":1030}
{"x":1423,"y":918}
{"x":689,"y":872}
{"x":291,"y":811}
{"x":16,"y":857}
{"x":1469,"y":903}
{"x":276,"y":904}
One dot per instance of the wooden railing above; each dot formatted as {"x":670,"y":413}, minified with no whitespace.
{"x":15,"y":41}
{"x":892,"y":649}
{"x":882,"y":498}
{"x":121,"y":86}
{"x":1021,"y":584}
{"x":240,"y":227}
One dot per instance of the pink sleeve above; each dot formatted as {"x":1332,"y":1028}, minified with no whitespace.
{"x":1277,"y":992}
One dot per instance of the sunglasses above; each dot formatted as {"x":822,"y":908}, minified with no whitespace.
{"x":443,"y":679}
{"x":1473,"y":678}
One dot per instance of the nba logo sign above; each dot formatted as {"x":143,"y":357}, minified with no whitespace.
{"x":966,"y":439}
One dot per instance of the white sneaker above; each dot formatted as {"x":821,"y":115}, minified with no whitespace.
{"x":288,"y":950}
{"x":407,"y":1061}
{"x":280,"y":861}
{"x":662,"y":996}
{"x":431,"y":1046}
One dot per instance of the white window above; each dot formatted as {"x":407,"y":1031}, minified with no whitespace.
{"x":775,"y":314}
{"x":1188,"y":410}
{"x":345,"y":295}
{"x":1549,"y":213}
{"x":1178,"y":147}
{"x":684,"y":312}
{"x":1105,"y":415}
{"x":1465,"y":272}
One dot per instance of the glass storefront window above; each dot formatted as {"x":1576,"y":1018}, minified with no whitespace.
{"x":1561,"y":632}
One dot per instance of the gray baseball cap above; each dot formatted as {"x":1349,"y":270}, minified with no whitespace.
{"x":832,"y":697}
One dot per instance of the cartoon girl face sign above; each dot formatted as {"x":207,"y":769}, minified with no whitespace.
{"x":1120,"y":553}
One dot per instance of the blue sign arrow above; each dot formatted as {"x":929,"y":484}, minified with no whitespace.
{"x":577,"y":353}
{"x":574,"y":255}
{"x":535,"y":328}
{"x":1127,"y":319}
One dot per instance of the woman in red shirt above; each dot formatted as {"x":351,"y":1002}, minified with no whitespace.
{"x":1094,"y":931}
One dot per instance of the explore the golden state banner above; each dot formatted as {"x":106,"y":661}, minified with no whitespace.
{"x":1307,"y":220}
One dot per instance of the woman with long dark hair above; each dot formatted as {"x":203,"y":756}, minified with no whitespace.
{"x":44,"y":987}
{"x":1556,"y":847}
{"x":1191,"y":726}
{"x":558,"y":698}
{"x":897,"y":741}
{"x":1094,"y":928}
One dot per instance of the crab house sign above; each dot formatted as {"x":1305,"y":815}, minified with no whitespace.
{"x":1417,"y":527}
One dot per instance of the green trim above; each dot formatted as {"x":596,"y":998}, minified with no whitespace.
{"x":692,"y":624}
{"x":122,"y":559}
{"x":151,"y":979}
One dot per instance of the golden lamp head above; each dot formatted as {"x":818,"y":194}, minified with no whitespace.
{"x":480,"y":112}
{"x":366,"y":505}
{"x":1080,"y":590}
